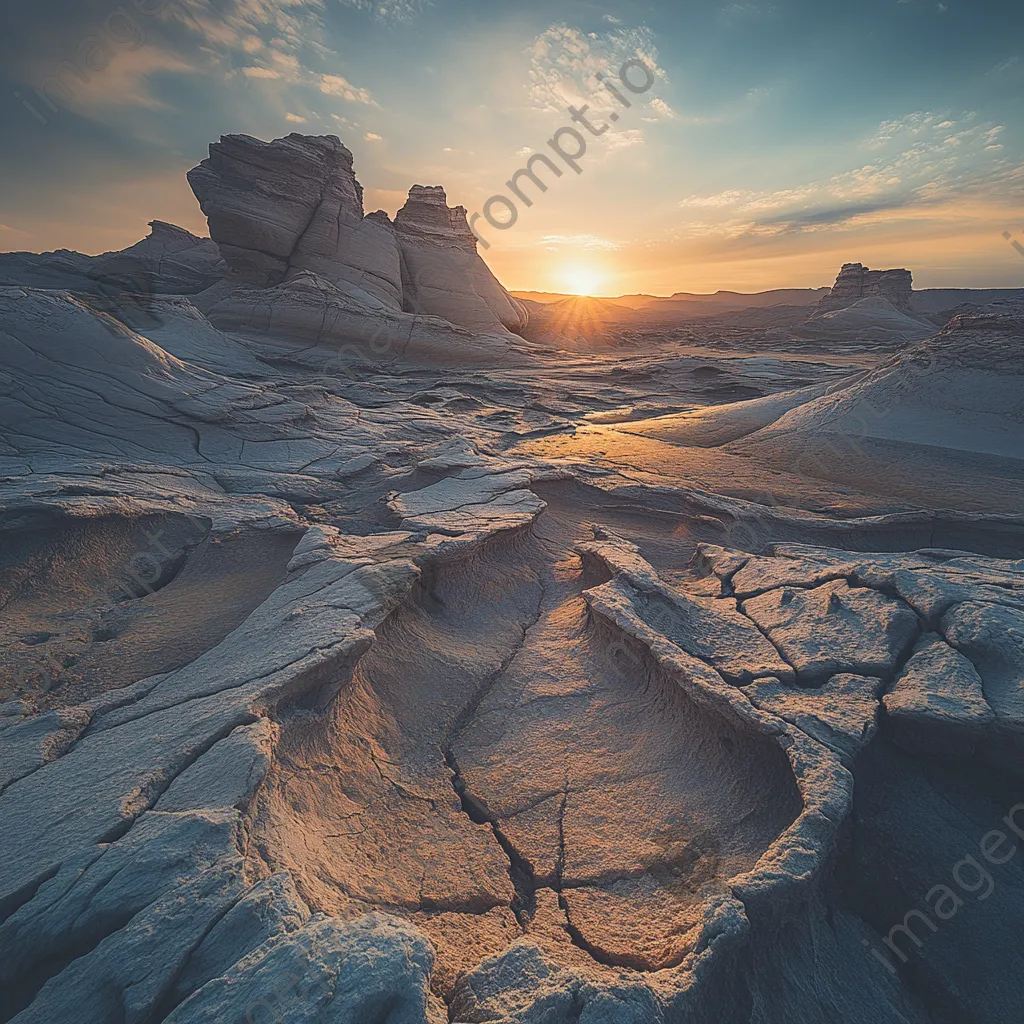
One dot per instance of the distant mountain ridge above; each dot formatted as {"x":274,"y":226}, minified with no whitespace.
{"x":925,"y":300}
{"x":721,"y":298}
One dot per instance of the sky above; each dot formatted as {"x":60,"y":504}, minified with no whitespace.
{"x":775,"y":141}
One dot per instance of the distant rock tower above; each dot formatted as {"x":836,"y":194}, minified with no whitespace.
{"x":855,"y":281}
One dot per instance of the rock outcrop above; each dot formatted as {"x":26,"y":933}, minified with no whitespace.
{"x":855,"y":281}
{"x":443,"y":274}
{"x":871,"y":319}
{"x":169,"y":261}
{"x":293,"y":205}
{"x":962,"y":390}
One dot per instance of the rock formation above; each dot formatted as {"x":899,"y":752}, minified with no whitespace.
{"x":442,"y":273}
{"x":871,"y":319}
{"x":294,"y":205}
{"x":855,"y":281}
{"x":170,"y":261}
{"x":962,"y":389}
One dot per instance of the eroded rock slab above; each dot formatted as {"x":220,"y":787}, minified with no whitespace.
{"x":938,"y":703}
{"x":841,"y":713}
{"x":992,"y":637}
{"x":835,"y":628}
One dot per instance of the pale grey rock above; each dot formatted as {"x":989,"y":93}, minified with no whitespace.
{"x":279,"y":653}
{"x":474,"y":500}
{"x":131,"y":973}
{"x":309,"y":321}
{"x":992,"y":637}
{"x":825,"y":786}
{"x":180,"y":329}
{"x":855,"y":281}
{"x":374,"y":968}
{"x":959,"y":390}
{"x":356,"y":465}
{"x":711,"y":426}
{"x":443,"y":274}
{"x":154,"y":408}
{"x":294,"y":204}
{"x":173,"y":260}
{"x":134,"y":752}
{"x":714,"y":568}
{"x":169,"y":261}
{"x":932,"y":594}
{"x":97,"y":790}
{"x":871,"y":319}
{"x":714,"y":631}
{"x":759,"y":574}
{"x":938,"y":702}
{"x":841,"y":713}
{"x":270,"y":908}
{"x":30,"y":743}
{"x":835,"y":628}
{"x":524,"y":986}
{"x":509,"y":511}
{"x":12,"y":712}
{"x":227,"y":775}
{"x":78,"y":914}
{"x":455,"y":454}
{"x":60,"y":269}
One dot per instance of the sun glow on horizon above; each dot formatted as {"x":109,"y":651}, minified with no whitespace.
{"x":580,"y":279}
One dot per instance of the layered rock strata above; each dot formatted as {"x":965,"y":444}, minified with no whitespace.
{"x":293,"y":205}
{"x":855,"y":281}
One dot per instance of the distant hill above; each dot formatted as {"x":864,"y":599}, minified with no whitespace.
{"x":723,"y":300}
{"x":546,"y":298}
{"x":685,"y":301}
{"x":935,"y":300}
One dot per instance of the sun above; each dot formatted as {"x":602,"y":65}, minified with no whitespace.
{"x":582,"y":280}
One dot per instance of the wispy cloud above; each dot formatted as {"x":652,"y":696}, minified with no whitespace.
{"x":252,"y":26}
{"x":389,"y":10}
{"x":733,"y":13}
{"x":1007,"y":67}
{"x":256,"y":72}
{"x":660,"y":111}
{"x":592,"y":242}
{"x":565,"y":61}
{"x":624,"y":139}
{"x":563,"y":69}
{"x":925,"y":160}
{"x":336,"y":85}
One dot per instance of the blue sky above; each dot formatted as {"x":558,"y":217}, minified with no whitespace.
{"x":778,"y":141}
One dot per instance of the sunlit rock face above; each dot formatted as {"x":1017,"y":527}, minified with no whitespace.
{"x":444,"y":275}
{"x":294,"y":205}
{"x":855,"y":281}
